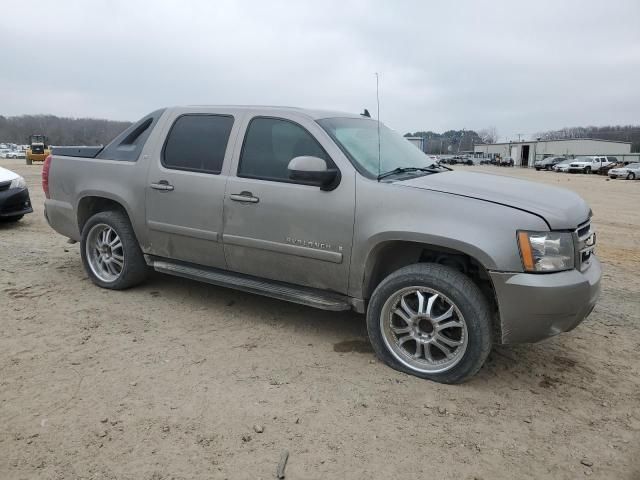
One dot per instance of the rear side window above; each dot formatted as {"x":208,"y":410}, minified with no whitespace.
{"x":269,"y":146}
{"x":128,"y":145}
{"x":197,"y":143}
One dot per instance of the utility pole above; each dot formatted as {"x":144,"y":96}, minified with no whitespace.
{"x":461,"y":139}
{"x":519,"y":135}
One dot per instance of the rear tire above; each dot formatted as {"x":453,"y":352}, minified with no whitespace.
{"x":110,"y":251}
{"x":631,"y":176}
{"x":445,"y":315}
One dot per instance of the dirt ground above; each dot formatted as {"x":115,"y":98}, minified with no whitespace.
{"x":180,"y":380}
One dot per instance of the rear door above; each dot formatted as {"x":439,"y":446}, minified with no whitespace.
{"x":185,"y":187}
{"x":278,"y":229}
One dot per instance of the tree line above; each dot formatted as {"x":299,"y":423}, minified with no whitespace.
{"x":93,"y":131}
{"x":60,"y":130}
{"x":618,"y":133}
{"x":454,"y":141}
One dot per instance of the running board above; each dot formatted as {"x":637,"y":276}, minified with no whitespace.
{"x":282,"y":291}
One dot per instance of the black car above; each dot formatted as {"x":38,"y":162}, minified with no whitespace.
{"x":548,"y":163}
{"x":14,"y":196}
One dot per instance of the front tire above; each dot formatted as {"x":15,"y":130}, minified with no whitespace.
{"x":430,"y":321}
{"x":587,"y":170}
{"x":110,"y":251}
{"x":631,"y":176}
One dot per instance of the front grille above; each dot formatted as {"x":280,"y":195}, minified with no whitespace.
{"x":586,"y":243}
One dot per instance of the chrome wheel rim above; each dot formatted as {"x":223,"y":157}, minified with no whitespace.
{"x":105,"y":253}
{"x":424,"y":330}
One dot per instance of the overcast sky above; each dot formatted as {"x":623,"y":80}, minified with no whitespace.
{"x":522,"y":67}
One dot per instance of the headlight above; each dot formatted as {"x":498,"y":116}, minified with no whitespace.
{"x":18,"y":183}
{"x":546,"y":251}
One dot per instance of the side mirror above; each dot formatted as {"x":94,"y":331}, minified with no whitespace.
{"x":313,"y":171}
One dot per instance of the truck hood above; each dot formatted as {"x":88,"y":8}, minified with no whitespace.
{"x":560,"y":208}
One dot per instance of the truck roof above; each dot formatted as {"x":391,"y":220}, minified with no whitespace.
{"x":315,"y":114}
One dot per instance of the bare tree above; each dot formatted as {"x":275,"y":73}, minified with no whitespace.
{"x":488,"y":135}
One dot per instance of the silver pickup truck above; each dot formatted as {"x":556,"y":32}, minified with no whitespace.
{"x":334,"y":211}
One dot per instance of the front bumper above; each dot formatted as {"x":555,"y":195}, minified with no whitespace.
{"x":15,"y":202}
{"x":537,"y":306}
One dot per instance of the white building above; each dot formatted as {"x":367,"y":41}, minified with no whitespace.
{"x":525,"y":153}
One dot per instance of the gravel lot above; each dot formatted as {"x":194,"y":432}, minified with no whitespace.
{"x":180,"y":380}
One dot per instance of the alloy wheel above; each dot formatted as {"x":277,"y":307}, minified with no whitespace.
{"x":105,"y":253}
{"x":424,"y":329}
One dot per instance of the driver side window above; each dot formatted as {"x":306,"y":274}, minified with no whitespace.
{"x":270,"y":144}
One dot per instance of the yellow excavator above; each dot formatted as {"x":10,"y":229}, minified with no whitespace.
{"x":38,"y":149}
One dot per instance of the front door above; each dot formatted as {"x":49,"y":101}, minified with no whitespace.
{"x":282,"y":230}
{"x":185,"y":189}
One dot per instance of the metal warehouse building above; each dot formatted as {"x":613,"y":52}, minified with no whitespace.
{"x":525,"y":153}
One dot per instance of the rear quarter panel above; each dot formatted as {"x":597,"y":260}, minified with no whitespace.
{"x":73,"y":178}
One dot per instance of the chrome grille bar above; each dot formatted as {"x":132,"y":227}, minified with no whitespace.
{"x":586,"y":243}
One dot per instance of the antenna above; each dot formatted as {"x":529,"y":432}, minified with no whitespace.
{"x":378,"y":115}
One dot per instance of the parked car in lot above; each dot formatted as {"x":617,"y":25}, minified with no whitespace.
{"x":613,"y":163}
{"x":547,"y":163}
{"x":14,"y":196}
{"x":630,"y":172}
{"x":588,"y":164}
{"x":562,"y":167}
{"x":15,"y":154}
{"x":301,"y":205}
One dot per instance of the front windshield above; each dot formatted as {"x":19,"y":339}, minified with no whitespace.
{"x":358,"y":139}
{"x":584,"y":159}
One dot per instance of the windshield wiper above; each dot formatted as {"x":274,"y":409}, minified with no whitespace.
{"x":440,"y":165}
{"x":399,"y":170}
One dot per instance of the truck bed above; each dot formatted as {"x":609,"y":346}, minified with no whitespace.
{"x":86,"y":152}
